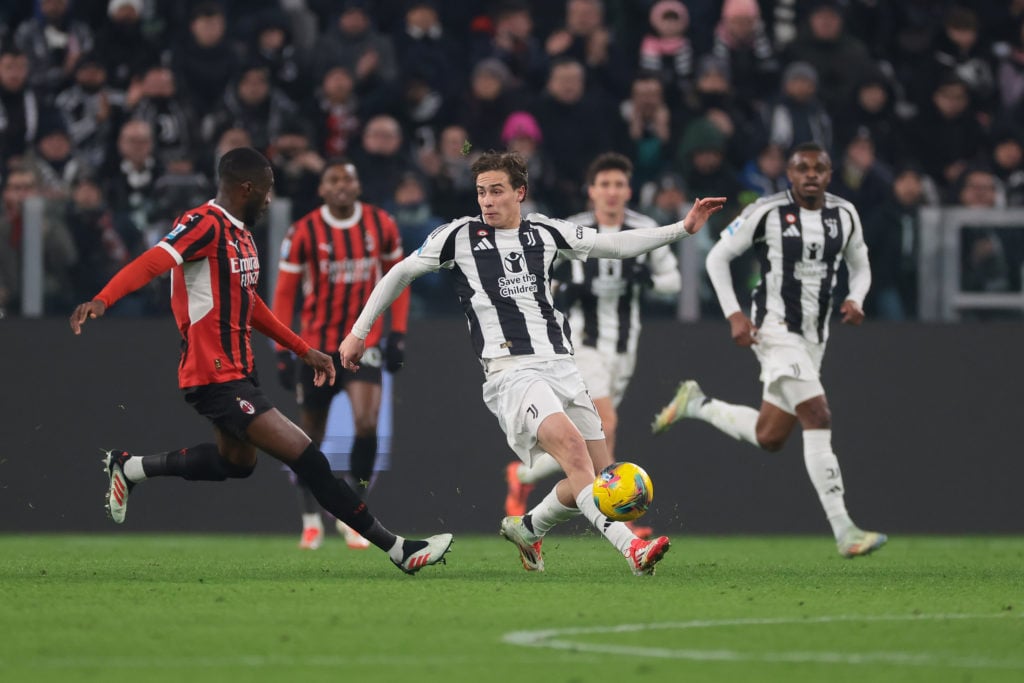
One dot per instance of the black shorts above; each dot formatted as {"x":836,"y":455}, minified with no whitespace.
{"x":231,"y":406}
{"x":313,"y":397}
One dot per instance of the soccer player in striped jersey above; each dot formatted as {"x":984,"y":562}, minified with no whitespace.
{"x":800,"y":237}
{"x":337,"y":253}
{"x":501,"y":263}
{"x":214,"y":271}
{"x":602,"y":299}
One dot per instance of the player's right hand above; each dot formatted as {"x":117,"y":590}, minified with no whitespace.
{"x":83,"y":312}
{"x":323,"y":367}
{"x":351,"y":350}
{"x":742,"y":329}
{"x":286,"y":369}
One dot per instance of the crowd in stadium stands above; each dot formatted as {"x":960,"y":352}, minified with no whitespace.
{"x":116,"y":112}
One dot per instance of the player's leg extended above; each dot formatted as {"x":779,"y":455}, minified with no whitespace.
{"x":274,"y":434}
{"x":690,"y":401}
{"x":313,"y":421}
{"x":364,"y":399}
{"x":824,"y":472}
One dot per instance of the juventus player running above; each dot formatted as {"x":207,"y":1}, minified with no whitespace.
{"x":215,"y":268}
{"x":800,"y":236}
{"x":501,"y":264}
{"x":337,"y":253}
{"x":602,"y":300}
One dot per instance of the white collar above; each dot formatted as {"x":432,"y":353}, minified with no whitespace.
{"x":342,"y":224}
{"x":227,"y":214}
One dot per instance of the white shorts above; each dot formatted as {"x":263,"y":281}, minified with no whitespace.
{"x":521,"y":393}
{"x":606,"y":374}
{"x":790,"y":366}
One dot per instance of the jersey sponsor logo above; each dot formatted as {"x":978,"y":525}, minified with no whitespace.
{"x":483,"y":245}
{"x":514,"y":262}
{"x":329,"y":248}
{"x":515,"y":285}
{"x":189,"y":221}
{"x":734,"y":226}
{"x":234,"y":243}
{"x":286,"y":248}
{"x":579,"y":232}
{"x":833,"y":227}
{"x":248,"y":269}
{"x":791,"y":231}
{"x":246,"y":407}
{"x":790,"y":218}
{"x":812,"y":251}
{"x":370,"y":244}
{"x":349,"y":270}
{"x":481,"y":233}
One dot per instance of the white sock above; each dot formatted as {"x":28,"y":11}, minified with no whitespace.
{"x":133,"y":471}
{"x":550,"y":512}
{"x":617,"y":533}
{"x":312,"y":520}
{"x":396,"y":552}
{"x":823,"y":469}
{"x":544,"y":465}
{"x":739,"y":422}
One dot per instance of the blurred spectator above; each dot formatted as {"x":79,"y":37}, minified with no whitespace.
{"x":667,"y":52}
{"x":1010,"y":70}
{"x":352,"y":42}
{"x":129,"y":184}
{"x":297,"y":168}
{"x":1008,"y":165}
{"x":892,"y":233}
{"x":127,"y":50}
{"x":514,"y":42}
{"x":667,"y":201}
{"x":586,"y":39}
{"x":796,"y":113}
{"x":859,"y":176}
{"x":229,"y":139}
{"x":273,"y":47}
{"x":205,"y":60}
{"x":20,"y":107}
{"x":101,"y":251}
{"x":576,"y":126}
{"x":872,"y":109}
{"x":706,"y":169}
{"x":452,"y":183}
{"x":53,"y":43}
{"x":487,"y":104}
{"x":958,"y":49}
{"x":989,"y":262}
{"x":424,"y":47}
{"x":742,"y":42}
{"x":712,"y":98}
{"x":178,"y":187}
{"x":946,"y":136}
{"x":382,"y":159}
{"x":839,"y":59}
{"x":337,"y":116}
{"x":650,"y":129}
{"x":87,"y":108}
{"x":58,"y":247}
{"x":253,"y":104}
{"x":52,"y":160}
{"x":522,"y":134}
{"x":421,"y":109}
{"x":153,"y":98}
{"x":764,"y":175}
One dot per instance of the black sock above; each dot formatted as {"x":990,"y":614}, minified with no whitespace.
{"x":338,"y":498}
{"x":528,"y":523}
{"x":198,"y":463}
{"x":364,"y":455}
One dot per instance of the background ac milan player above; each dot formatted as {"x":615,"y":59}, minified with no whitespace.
{"x":337,"y":253}
{"x":215,"y":271}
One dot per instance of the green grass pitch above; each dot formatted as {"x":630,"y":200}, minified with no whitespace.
{"x":254,"y":608}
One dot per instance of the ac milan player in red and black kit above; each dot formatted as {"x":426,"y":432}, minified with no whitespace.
{"x":336,"y":254}
{"x":215,"y":270}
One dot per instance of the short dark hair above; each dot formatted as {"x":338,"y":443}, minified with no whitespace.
{"x":242,"y":164}
{"x":509,"y":162}
{"x":809,"y":146}
{"x":336,"y":161}
{"x":609,"y":161}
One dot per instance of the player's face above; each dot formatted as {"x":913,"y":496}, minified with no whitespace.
{"x":257,"y":198}
{"x":810,"y":173}
{"x":610,"y":192}
{"x":339,"y":187}
{"x":499,"y":203}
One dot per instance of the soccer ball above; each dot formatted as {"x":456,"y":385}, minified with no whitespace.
{"x":623,"y":491}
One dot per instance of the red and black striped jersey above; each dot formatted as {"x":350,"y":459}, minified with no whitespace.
{"x":213,"y":294}
{"x":338,"y":262}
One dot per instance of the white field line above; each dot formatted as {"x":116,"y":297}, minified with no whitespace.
{"x":562,"y":639}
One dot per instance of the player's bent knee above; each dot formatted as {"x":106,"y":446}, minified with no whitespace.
{"x":772,"y":443}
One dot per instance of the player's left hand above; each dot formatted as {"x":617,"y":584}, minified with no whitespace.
{"x":83,"y":312}
{"x":852,"y":313}
{"x":701,"y":211}
{"x":323,"y":367}
{"x":351,"y":350}
{"x":394,"y":352}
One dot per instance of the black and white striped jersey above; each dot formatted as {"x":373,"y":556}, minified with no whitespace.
{"x":502,"y":278}
{"x":799,"y":251}
{"x":605,"y":312}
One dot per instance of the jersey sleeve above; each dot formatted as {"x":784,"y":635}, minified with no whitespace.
{"x":735,"y":239}
{"x":438,"y":249}
{"x":855,"y":253}
{"x":573,"y":241}
{"x":289,"y":274}
{"x":294,"y":250}
{"x":665,"y":271}
{"x":193,"y":238}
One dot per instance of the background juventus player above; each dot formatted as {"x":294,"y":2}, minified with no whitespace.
{"x":337,"y":253}
{"x":501,"y":264}
{"x":800,"y":236}
{"x":602,"y":300}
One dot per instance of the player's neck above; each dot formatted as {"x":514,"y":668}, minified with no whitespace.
{"x":610,"y":218}
{"x":342,"y":213}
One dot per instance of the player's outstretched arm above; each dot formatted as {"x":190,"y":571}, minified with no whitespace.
{"x":323,"y":366}
{"x":137,"y":274}
{"x":351,"y":351}
{"x":628,"y":243}
{"x":701,"y":211}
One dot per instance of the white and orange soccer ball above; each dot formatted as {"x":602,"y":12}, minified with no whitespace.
{"x":623,"y":491}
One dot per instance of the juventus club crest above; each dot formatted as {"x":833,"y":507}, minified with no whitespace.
{"x":833,"y":227}
{"x":531,"y":239}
